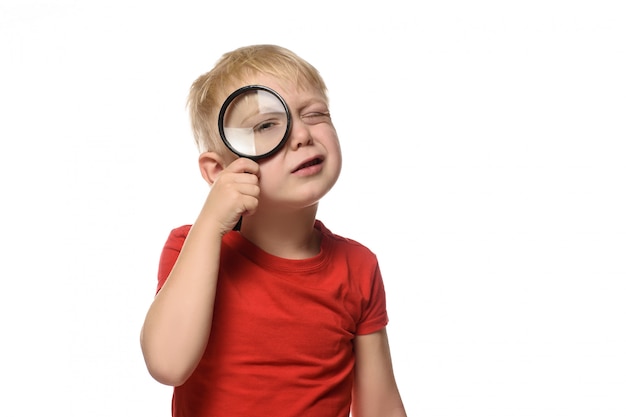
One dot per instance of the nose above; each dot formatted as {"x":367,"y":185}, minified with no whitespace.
{"x":299,"y":135}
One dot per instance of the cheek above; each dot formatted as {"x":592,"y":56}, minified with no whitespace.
{"x":332,"y":136}
{"x":338,"y":148}
{"x":268,"y":172}
{"x":335,"y":148}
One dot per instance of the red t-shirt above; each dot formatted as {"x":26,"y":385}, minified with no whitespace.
{"x":282,"y":335}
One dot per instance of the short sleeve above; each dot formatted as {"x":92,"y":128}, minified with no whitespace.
{"x":374,"y":314}
{"x":170,"y":253}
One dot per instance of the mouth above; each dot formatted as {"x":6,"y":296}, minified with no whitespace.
{"x":309,"y":163}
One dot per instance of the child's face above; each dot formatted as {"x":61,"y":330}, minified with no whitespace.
{"x":309,"y":163}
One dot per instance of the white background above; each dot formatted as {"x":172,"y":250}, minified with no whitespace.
{"x":484,"y":147}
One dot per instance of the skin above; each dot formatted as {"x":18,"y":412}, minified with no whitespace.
{"x":278,"y":203}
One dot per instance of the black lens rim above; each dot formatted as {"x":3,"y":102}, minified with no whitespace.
{"x":234,"y":95}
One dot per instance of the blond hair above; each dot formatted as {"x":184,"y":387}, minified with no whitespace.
{"x":210,"y":89}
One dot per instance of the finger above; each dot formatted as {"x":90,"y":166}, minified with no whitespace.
{"x":249,"y":205}
{"x":252,"y":190}
{"x":243,"y":165}
{"x":236,"y":178}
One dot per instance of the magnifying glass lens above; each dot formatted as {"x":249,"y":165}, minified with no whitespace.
{"x":254,"y":122}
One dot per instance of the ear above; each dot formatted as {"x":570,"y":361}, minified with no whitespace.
{"x":211,"y":164}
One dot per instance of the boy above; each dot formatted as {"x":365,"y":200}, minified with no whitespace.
{"x":278,"y":317}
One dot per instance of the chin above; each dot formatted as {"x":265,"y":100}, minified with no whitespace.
{"x":294,"y":202}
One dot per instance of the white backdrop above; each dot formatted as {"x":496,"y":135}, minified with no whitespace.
{"x":484,"y":147}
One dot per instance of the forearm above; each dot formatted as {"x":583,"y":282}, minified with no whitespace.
{"x":396,"y":412}
{"x":389,"y":406}
{"x":375,"y":392}
{"x":178,"y":323}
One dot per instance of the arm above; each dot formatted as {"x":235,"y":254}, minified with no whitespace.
{"x":178,"y":323}
{"x":375,"y":391}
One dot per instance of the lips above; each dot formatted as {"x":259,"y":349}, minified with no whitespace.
{"x":309,"y":163}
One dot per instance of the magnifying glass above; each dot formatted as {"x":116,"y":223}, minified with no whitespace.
{"x":254,"y":122}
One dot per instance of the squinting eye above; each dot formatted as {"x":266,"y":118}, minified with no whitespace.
{"x":315,"y":118}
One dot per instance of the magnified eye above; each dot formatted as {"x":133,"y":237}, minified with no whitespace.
{"x":254,"y":122}
{"x":265,"y":126}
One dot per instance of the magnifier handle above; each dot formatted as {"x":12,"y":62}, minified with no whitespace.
{"x":238,"y":225}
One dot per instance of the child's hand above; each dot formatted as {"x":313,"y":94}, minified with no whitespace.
{"x":234,"y":194}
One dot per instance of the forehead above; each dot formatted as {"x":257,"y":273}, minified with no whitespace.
{"x":294,"y":93}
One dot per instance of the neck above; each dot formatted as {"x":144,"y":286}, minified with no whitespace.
{"x":288,"y":235}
